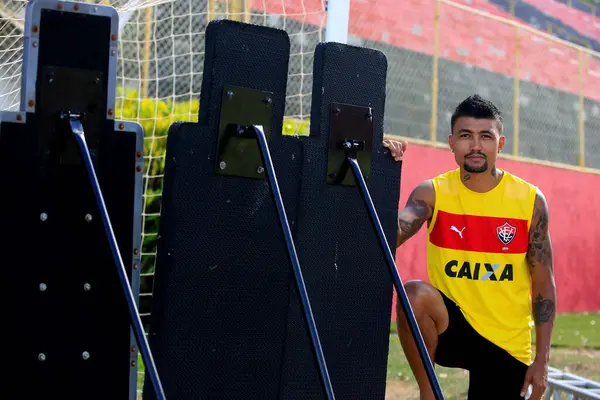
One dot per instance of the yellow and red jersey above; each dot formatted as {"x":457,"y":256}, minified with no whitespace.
{"x":476,"y":255}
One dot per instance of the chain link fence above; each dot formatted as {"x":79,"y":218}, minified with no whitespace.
{"x":547,"y":89}
{"x":438,"y":52}
{"x":442,"y":52}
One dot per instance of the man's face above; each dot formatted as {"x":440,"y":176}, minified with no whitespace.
{"x":476,"y":143}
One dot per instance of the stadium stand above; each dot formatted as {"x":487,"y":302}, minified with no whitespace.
{"x":476,"y":56}
{"x":544,"y":19}
{"x":582,"y":6}
{"x":581,"y":21}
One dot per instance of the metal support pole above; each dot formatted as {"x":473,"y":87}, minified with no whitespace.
{"x":338,"y":15}
{"x":272,"y":179}
{"x":435,"y":72}
{"x":140,"y":336}
{"x":402,"y":296}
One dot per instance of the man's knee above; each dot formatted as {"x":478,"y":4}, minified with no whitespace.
{"x":421,"y":295}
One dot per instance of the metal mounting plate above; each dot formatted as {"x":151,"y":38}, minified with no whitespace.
{"x":238,"y":152}
{"x":349,"y":122}
{"x":73,"y":90}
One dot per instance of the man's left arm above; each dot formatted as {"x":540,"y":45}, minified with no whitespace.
{"x":540,"y":259}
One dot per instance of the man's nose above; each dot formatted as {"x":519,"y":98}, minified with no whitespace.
{"x":476,"y":144}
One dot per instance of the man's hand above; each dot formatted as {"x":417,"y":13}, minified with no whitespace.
{"x":397,"y":148}
{"x":537,"y":376}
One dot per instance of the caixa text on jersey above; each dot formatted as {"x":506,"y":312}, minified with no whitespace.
{"x":479,"y":271}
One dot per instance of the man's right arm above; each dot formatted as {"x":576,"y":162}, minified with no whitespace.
{"x":419,"y":208}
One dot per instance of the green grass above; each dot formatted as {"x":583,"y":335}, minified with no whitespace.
{"x":577,"y":330}
{"x":581,"y":330}
{"x":575,"y":349}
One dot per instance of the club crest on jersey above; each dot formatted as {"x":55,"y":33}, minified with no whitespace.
{"x":506,"y":233}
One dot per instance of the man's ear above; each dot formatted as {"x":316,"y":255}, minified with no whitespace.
{"x":501,"y":143}
{"x":451,"y":142}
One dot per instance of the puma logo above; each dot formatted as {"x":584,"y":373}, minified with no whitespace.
{"x":455,"y":229}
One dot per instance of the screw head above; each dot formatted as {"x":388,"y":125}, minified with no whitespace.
{"x":229,"y":94}
{"x":267,"y":100}
{"x":85,"y":355}
{"x":43,"y":217}
{"x":41,"y":357}
{"x":43,"y":287}
{"x":222,"y":165}
{"x":260,"y":170}
{"x":88,"y":218}
{"x":87,"y":287}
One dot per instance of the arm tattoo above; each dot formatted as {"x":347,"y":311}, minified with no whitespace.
{"x":540,"y":248}
{"x":542,"y":310}
{"x":412,"y":218}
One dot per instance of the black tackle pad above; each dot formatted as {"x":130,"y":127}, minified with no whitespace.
{"x":223,"y":276}
{"x":347,"y":278}
{"x":66,"y":318}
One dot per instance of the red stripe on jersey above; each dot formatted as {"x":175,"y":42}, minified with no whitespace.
{"x":480,"y":234}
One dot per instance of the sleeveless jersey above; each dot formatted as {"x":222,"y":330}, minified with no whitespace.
{"x":476,"y":255}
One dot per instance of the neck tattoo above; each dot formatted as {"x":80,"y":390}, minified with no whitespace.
{"x":466,"y":177}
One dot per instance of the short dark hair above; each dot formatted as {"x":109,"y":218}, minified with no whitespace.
{"x":476,"y":107}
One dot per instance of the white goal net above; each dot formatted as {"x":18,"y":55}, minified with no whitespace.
{"x":161,"y":57}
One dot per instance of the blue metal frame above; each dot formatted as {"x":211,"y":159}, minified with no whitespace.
{"x":414,"y":327}
{"x":272,"y":179}
{"x":78,"y":133}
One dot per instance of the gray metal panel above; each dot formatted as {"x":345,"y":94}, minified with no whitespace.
{"x":573,"y":386}
{"x":127,"y":126}
{"x":31,"y":46}
{"x":13,"y":116}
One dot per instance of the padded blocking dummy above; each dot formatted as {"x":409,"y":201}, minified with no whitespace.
{"x":66,"y":318}
{"x":223,"y":275}
{"x":346,"y":275}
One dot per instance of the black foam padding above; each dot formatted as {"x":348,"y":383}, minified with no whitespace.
{"x":45,"y":174}
{"x":239,"y":54}
{"x":346,"y":275}
{"x":223,"y":275}
{"x":64,"y":253}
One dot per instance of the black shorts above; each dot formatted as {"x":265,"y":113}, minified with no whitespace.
{"x":493,"y":372}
